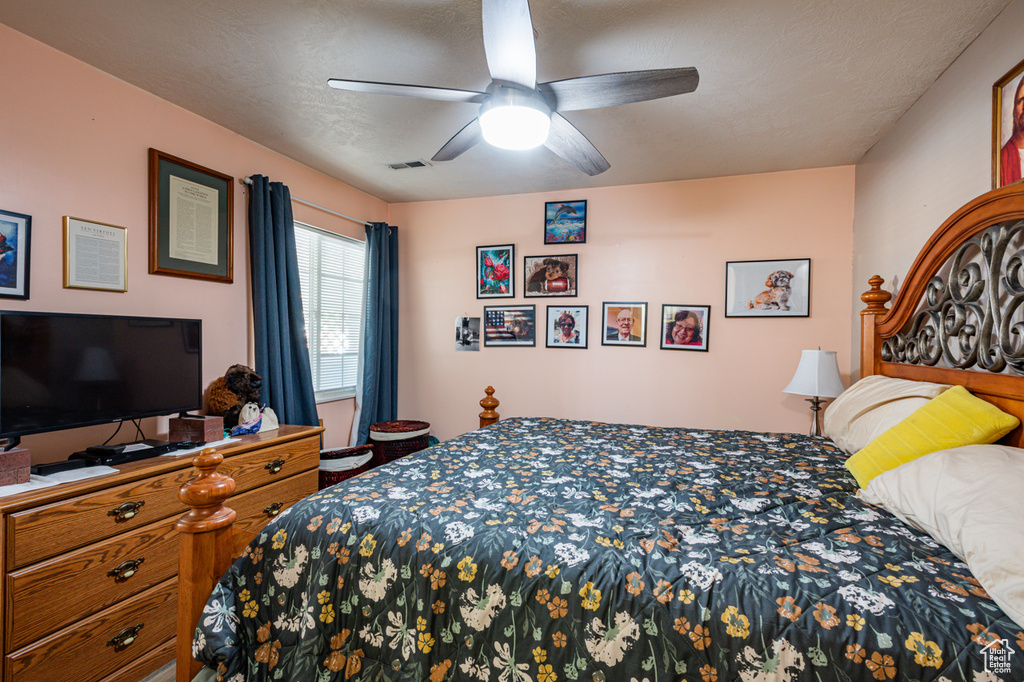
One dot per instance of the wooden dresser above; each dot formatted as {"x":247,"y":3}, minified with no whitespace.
{"x":89,"y":589}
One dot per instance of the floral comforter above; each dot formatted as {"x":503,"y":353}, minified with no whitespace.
{"x":546,"y":550}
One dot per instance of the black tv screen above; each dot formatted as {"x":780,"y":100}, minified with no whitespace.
{"x":62,"y":371}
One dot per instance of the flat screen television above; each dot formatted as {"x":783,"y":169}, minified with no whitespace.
{"x":63,"y":371}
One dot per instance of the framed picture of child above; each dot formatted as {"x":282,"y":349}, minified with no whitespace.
{"x":549,"y":275}
{"x":567,"y":326}
{"x":685,"y":327}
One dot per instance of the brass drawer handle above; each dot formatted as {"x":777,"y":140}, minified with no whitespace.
{"x":126,"y":569}
{"x":274,"y":509}
{"x":126,"y":511}
{"x":125,"y":637}
{"x":274,"y":466}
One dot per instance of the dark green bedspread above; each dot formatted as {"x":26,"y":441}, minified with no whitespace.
{"x":546,"y":550}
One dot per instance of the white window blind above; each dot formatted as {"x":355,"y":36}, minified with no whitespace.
{"x":331,"y":273}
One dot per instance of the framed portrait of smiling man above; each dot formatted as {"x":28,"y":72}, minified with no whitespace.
{"x":684,"y":327}
{"x":625,"y":324}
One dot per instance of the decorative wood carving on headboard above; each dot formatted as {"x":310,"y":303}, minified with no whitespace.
{"x":959,"y":317}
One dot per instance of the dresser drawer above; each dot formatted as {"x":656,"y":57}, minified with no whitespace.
{"x":85,"y":652}
{"x":81,"y":584}
{"x":257,"y":507}
{"x":255,"y":469}
{"x":43,"y":532}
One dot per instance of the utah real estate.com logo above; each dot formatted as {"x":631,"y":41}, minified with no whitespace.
{"x":997,"y":655}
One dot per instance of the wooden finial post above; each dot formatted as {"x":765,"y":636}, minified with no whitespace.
{"x":875,"y":298}
{"x":205,"y":550}
{"x":488,"y":416}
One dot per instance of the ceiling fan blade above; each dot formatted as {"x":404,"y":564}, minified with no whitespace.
{"x":611,"y":89}
{"x":508,"y":41}
{"x":568,"y":142}
{"x":460,"y":142}
{"x":421,"y":91}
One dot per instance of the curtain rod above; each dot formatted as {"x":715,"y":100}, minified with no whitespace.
{"x":248,"y":181}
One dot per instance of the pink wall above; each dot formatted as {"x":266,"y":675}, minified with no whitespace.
{"x":75,"y":143}
{"x":660,"y":243}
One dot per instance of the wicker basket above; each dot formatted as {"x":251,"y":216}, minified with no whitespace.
{"x":399,"y":438}
{"x":339,"y":465}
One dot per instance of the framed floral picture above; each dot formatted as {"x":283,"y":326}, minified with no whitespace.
{"x":565,"y":222}
{"x":549,"y":275}
{"x":14,"y":252}
{"x":768,"y":288}
{"x":510,"y":325}
{"x":495,"y":276}
{"x":684,"y":327}
{"x":567,"y":326}
{"x":625,"y":324}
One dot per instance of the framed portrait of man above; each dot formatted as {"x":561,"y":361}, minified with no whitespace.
{"x":1008,"y":128}
{"x":625,"y":324}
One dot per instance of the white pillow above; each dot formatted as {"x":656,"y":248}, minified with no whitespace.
{"x":970,"y":500}
{"x":872,"y":406}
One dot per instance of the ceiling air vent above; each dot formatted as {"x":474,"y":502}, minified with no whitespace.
{"x":420,"y":163}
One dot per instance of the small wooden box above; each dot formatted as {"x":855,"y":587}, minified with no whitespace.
{"x":205,"y":428}
{"x":14,"y":466}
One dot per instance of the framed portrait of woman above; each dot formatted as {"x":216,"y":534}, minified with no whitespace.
{"x":567,"y":326}
{"x":685,"y":327}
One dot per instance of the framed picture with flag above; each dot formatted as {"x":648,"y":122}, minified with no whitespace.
{"x":510,"y":325}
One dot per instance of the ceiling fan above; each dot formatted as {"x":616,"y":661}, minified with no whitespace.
{"x":516,"y":112}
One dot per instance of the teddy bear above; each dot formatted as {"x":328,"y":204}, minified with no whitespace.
{"x":229,"y":393}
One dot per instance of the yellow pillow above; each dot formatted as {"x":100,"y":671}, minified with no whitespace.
{"x":950,"y":420}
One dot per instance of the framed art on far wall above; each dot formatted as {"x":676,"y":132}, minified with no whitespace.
{"x":95,"y":255}
{"x":625,"y":324}
{"x":15,"y":237}
{"x":565,"y":222}
{"x":190,"y":219}
{"x":567,"y":326}
{"x":685,"y":327}
{"x":1008,"y":127}
{"x":510,"y":325}
{"x":768,"y":288}
{"x":549,"y":275}
{"x":495,"y":271}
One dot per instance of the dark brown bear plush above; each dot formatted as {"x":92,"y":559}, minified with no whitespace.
{"x":227,"y":394}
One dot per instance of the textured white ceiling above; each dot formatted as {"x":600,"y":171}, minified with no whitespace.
{"x":784,"y":84}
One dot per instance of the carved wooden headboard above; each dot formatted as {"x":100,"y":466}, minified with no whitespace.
{"x":959,"y":317}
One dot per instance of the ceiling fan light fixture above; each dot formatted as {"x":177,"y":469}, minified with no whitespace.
{"x":514,"y":119}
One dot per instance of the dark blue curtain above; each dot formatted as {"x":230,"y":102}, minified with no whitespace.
{"x":282,"y":357}
{"x":380,"y":334}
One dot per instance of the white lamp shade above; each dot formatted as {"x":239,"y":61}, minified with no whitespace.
{"x":816,"y":375}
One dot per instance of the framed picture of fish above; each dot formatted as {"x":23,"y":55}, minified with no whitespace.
{"x":565,"y":222}
{"x":14,"y":242}
{"x":768,"y":288}
{"x":495,"y":271}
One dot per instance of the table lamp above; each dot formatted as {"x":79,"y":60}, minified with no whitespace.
{"x":817,"y":375}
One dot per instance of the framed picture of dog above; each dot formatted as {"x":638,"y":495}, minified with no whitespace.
{"x":768,"y":288}
{"x":549,"y":275}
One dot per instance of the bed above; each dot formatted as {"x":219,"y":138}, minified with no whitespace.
{"x":544,"y":549}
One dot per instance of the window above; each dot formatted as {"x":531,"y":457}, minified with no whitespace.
{"x":331,"y":273}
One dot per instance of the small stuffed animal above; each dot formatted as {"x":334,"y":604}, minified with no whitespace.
{"x":227,"y":394}
{"x":254,"y":420}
